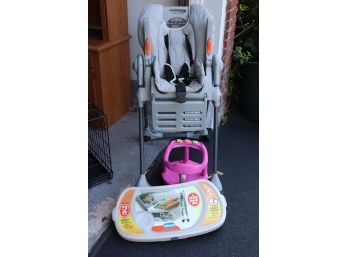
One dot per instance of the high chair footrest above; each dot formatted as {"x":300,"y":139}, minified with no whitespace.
{"x":171,"y":116}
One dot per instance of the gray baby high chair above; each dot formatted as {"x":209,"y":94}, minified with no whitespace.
{"x":178,"y":96}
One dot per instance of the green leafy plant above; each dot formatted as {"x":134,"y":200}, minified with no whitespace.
{"x":246,"y":43}
{"x":224,"y":120}
{"x":241,"y":55}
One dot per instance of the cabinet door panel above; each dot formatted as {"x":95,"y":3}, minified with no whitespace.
{"x":94,"y":88}
{"x":115,"y":80}
{"x":117,"y":22}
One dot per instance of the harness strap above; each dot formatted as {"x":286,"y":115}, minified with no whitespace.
{"x":180,"y":87}
{"x":180,"y":92}
{"x":185,"y":80}
{"x":166,"y":42}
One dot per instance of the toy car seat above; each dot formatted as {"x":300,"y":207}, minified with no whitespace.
{"x":179,"y":76}
{"x":184,"y":170}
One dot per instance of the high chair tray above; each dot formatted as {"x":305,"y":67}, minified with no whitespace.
{"x":162,"y":213}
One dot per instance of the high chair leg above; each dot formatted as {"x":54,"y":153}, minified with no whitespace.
{"x":142,"y":179}
{"x":215,"y":177}
{"x":216,"y":134}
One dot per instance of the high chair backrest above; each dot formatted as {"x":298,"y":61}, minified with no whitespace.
{"x":186,"y":27}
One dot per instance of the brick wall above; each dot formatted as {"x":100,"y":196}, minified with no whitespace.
{"x":230,"y":25}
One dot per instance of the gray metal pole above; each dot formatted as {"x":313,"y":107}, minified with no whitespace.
{"x":216,"y":134}
{"x":141,"y":139}
{"x":215,"y":177}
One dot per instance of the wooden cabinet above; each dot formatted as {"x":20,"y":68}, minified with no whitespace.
{"x":108,"y":57}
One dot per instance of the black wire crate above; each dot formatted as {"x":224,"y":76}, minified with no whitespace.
{"x":99,"y":157}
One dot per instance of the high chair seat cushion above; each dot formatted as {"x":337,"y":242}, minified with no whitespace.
{"x":166,"y":87}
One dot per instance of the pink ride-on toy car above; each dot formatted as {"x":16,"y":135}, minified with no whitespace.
{"x":184,"y":170}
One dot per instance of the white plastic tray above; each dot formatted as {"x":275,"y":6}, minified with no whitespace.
{"x":162,"y":213}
